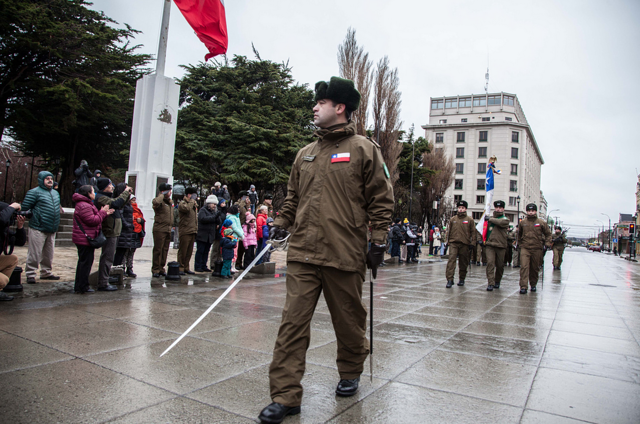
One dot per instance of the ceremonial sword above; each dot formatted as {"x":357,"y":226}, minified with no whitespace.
{"x":280,"y":244}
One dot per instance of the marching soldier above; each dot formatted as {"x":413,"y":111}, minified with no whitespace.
{"x":496,"y":245}
{"x":337,"y":185}
{"x":461,"y":237}
{"x":533,"y":236}
{"x":559,"y":241}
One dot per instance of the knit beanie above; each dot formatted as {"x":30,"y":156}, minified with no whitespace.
{"x":103,"y":183}
{"x":227,"y":223}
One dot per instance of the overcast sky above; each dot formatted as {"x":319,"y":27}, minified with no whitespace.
{"x":572,"y":64}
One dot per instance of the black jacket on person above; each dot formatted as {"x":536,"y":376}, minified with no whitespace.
{"x":6,"y":212}
{"x":208,"y":225}
{"x":128,"y":239}
{"x":397,"y":234}
{"x":83,"y":176}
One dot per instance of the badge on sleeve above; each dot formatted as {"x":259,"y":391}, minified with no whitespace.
{"x":341,"y":157}
{"x":386,"y":170}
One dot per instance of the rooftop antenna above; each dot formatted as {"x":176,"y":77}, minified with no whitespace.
{"x":486,"y":82}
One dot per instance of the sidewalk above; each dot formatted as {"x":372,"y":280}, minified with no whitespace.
{"x":566,"y":354}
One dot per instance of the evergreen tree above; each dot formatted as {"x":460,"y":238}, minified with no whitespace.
{"x":241,"y":122}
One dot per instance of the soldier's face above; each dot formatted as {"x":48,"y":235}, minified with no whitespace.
{"x":532,"y":213}
{"x":499,"y":209}
{"x":325,"y":114}
{"x":462,"y":209}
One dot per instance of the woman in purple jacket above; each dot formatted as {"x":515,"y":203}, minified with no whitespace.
{"x":91,"y":219}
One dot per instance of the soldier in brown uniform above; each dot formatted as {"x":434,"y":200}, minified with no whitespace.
{"x":188,"y":228}
{"x":337,"y":185}
{"x":533,"y":236}
{"x":268,"y":199}
{"x":163,"y":208}
{"x":496,"y":245}
{"x":461,"y":237}
{"x":559,"y":241}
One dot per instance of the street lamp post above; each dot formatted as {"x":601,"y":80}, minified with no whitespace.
{"x":608,"y":233}
{"x":6,"y":178}
{"x":413,"y":145}
{"x":518,"y":218}
{"x":555,"y":210}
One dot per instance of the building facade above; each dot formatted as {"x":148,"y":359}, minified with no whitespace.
{"x":473,"y":128}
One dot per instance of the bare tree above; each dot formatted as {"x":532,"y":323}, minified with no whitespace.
{"x":355,"y":65}
{"x":438,"y":183}
{"x":386,"y":115}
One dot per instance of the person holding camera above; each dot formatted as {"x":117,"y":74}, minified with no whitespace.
{"x":8,"y":239}
{"x":44,"y":203}
{"x":87,"y":222}
{"x":83,"y":175}
{"x":111,"y":227}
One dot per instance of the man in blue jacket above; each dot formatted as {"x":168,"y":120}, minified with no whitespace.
{"x":44,"y":202}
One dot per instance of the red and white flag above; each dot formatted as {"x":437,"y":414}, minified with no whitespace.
{"x":209,"y":21}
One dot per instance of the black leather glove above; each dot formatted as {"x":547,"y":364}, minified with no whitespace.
{"x":375,"y":256}
{"x":278,"y":234}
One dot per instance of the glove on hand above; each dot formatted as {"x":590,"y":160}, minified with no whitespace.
{"x":375,"y":256}
{"x":278,"y":234}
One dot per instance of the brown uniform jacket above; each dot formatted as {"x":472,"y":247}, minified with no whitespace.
{"x":243,"y":211}
{"x":498,"y":227}
{"x":163,"y":219}
{"x":188,"y":211}
{"x":558,"y":240}
{"x":462,"y":229}
{"x":329,"y":204}
{"x":112,"y":225}
{"x":533,"y":234}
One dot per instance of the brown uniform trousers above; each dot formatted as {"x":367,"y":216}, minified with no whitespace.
{"x":460,"y":251}
{"x":343,"y":294}
{"x":495,"y":264}
{"x":161,"y":240}
{"x":530,"y":261}
{"x":186,"y":250}
{"x":558,"y":251}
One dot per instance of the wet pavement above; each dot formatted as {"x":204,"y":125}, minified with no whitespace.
{"x":566,"y":354}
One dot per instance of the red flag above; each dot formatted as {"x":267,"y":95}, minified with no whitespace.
{"x":208,"y":20}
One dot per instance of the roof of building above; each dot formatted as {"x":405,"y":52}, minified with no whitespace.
{"x":626,"y":217}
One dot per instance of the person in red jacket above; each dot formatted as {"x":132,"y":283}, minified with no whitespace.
{"x":261,"y":221}
{"x":87,"y":215}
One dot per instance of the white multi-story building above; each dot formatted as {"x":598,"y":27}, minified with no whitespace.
{"x":473,"y":128}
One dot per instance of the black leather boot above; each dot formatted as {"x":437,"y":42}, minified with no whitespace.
{"x":461,"y":283}
{"x":449,"y":283}
{"x":347,"y":387}
{"x":275,"y":413}
{"x":490,"y":287}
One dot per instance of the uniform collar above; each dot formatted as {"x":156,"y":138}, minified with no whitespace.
{"x":336,"y":133}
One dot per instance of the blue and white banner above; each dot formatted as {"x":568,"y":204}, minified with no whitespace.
{"x":489,"y":186}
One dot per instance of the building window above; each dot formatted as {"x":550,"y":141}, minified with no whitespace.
{"x":482,"y":168}
{"x":508,"y":118}
{"x":459,"y":168}
{"x":481,"y":184}
{"x":486,"y":119}
{"x":439,"y":137}
{"x":508,"y":100}
{"x":513,"y":201}
{"x":484,"y":136}
{"x":460,"y":137}
{"x":436,"y":104}
{"x":482,"y":152}
{"x":512,"y":217}
{"x":451,"y":103}
{"x":515,"y":137}
{"x":458,"y":185}
{"x":514,"y":153}
{"x":442,"y":121}
{"x":463,"y":120}
{"x":480,"y":199}
{"x":514,"y":169}
{"x":457,"y":198}
{"x":513,"y":185}
{"x":479,"y":101}
{"x":460,"y":152}
{"x":476,"y":215}
{"x":494,"y":100}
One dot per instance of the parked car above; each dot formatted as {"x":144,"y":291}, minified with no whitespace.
{"x":595,"y":248}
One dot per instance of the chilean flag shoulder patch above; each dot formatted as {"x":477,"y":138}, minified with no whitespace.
{"x":536,"y":225}
{"x":341,"y":157}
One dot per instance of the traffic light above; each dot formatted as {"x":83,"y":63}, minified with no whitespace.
{"x":632,"y":230}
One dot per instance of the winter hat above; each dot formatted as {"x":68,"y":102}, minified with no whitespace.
{"x":250,"y":216}
{"x":339,"y":90}
{"x":222,"y":202}
{"x":217,"y":184}
{"x":164,"y":187}
{"x":190,"y":190}
{"x":212,"y":198}
{"x":532,"y":207}
{"x":227,"y":223}
{"x":252,"y":186}
{"x":228,"y":232}
{"x":269,"y":220}
{"x":462,"y":203}
{"x":243,"y":193}
{"x":103,"y":183}
{"x":268,"y":197}
{"x":405,"y":221}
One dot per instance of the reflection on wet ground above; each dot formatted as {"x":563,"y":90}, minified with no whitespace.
{"x":568,"y":353}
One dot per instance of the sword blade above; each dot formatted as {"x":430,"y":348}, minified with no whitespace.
{"x":371,"y":326}
{"x":218,"y":300}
